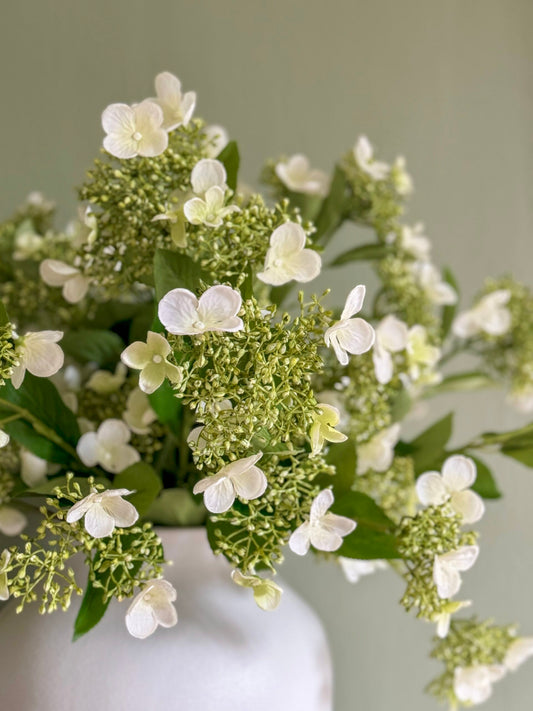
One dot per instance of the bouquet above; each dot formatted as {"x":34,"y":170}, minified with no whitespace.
{"x":164,"y":362}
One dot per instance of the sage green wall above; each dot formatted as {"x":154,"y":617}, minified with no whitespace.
{"x":445,"y":82}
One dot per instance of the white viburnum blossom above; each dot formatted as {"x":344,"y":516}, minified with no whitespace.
{"x":139,"y":414}
{"x":519,"y":651}
{"x":238,"y":479}
{"x":421,"y":355}
{"x":444,"y":618}
{"x":490,"y":315}
{"x":12,"y":521}
{"x":27,"y":242}
{"x":208,"y":180}
{"x":448,"y":566}
{"x":151,"y":359}
{"x":104,"y":382}
{"x":288,"y":259}
{"x":4,"y":438}
{"x":267,"y":593}
{"x":323,"y":427}
{"x":354,"y":568}
{"x":217,"y":138}
{"x":56,"y":273}
{"x":378,"y":453}
{"x":33,"y":469}
{"x":134,"y":130}
{"x":153,"y":606}
{"x":364,"y":157}
{"x":473,"y":685}
{"x":323,"y":530}
{"x":413,"y":241}
{"x":104,"y":511}
{"x":351,"y":335}
{"x":436,"y":289}
{"x":177,"y":108}
{"x":391,"y":337}
{"x":5,"y":557}
{"x":453,"y":486}
{"x":39,"y":354}
{"x":108,"y":447}
{"x":297,"y":175}
{"x":182,"y":314}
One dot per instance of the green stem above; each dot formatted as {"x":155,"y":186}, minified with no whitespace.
{"x":40,"y":427}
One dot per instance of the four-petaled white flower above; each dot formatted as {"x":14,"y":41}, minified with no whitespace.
{"x":208,"y":180}
{"x":377,"y":454}
{"x":105,"y":382}
{"x":103,"y":511}
{"x":453,"y":485}
{"x":134,"y":130}
{"x":138,"y":414}
{"x":56,"y":273}
{"x":364,"y":157}
{"x":152,"y":607}
{"x":422,"y":356}
{"x":354,"y":568}
{"x":443,"y":618}
{"x":288,"y":258}
{"x":351,"y":335}
{"x":12,"y":521}
{"x":323,"y":427}
{"x":413,"y":241}
{"x":391,"y":337}
{"x":4,"y":438}
{"x":217,"y":139}
{"x":297,"y":175}
{"x":323,"y":530}
{"x":519,"y":651}
{"x":182,"y":314}
{"x":448,"y":566}
{"x":38,"y":353}
{"x":473,"y":685}
{"x":490,"y":315}
{"x":108,"y":447}
{"x":177,"y":108}
{"x":267,"y":593}
{"x":240,"y":478}
{"x":430,"y":279}
{"x":151,"y":359}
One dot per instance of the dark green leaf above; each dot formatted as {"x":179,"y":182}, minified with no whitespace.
{"x":521,"y":454}
{"x":167,"y":406}
{"x":374,"y":536}
{"x":333,"y":209}
{"x":142,"y":322}
{"x":173,"y":270}
{"x":401,"y":405}
{"x":428,"y":449}
{"x":485,"y":484}
{"x":176,"y":507}
{"x":91,"y":611}
{"x":230,"y":158}
{"x":367,"y":544}
{"x":142,"y":479}
{"x":343,"y":457}
{"x":4,"y":318}
{"x":448,"y":312}
{"x":363,"y":509}
{"x":364,"y":252}
{"x":309,"y":205}
{"x":93,"y":346}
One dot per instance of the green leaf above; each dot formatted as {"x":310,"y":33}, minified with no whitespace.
{"x":173,"y":270}
{"x":401,"y":405}
{"x":374,"y":536}
{"x":343,"y":457}
{"x":167,"y":407}
{"x":364,"y":510}
{"x":309,"y":205}
{"x":231,"y":159}
{"x":428,"y":450}
{"x":364,"y":252}
{"x":91,"y":611}
{"x":333,"y":209}
{"x":448,"y":312}
{"x":144,"y":481}
{"x":176,"y":507}
{"x":485,"y":484}
{"x":521,"y":454}
{"x":367,"y":544}
{"x":93,"y":346}
{"x":4,"y":318}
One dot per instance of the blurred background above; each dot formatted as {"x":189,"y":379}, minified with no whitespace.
{"x":447,"y":84}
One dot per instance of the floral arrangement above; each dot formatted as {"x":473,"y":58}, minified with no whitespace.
{"x":158,"y":366}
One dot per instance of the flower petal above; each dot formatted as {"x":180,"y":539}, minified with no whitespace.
{"x":12,"y":521}
{"x":123,"y":512}
{"x":137,"y":355}
{"x":356,"y":336}
{"x":458,"y":472}
{"x":446,"y":578}
{"x":469,"y":504}
{"x":206,"y":174}
{"x":324,"y":539}
{"x":178,"y":311}
{"x":321,"y":504}
{"x":219,"y":497}
{"x":75,"y":289}
{"x":152,"y":377}
{"x":218,"y":306}
{"x":299,"y":541}
{"x":250,"y":484}
{"x":383,"y":365}
{"x":87,"y":449}
{"x":56,"y":273}
{"x":287,"y":239}
{"x":140,"y":619}
{"x":113,"y":432}
{"x":354,"y":302}
{"x":431,"y":490}
{"x":98,"y":523}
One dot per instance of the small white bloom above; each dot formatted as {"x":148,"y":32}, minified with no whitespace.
{"x":522,"y":399}
{"x":4,"y":562}
{"x":444,"y":618}
{"x":38,"y":353}
{"x":103,"y":511}
{"x":240,"y":478}
{"x":377,"y":454}
{"x":430,"y":279}
{"x":288,"y":259}
{"x":208,"y":173}
{"x":27,"y":242}
{"x":151,"y":359}
{"x":108,"y":447}
{"x":209,"y":210}
{"x":134,"y":130}
{"x":138,"y":414}
{"x":413,"y":241}
{"x":446,"y":569}
{"x":182,"y":314}
{"x":519,"y":651}
{"x":267,"y":593}
{"x":323,"y":427}
{"x":56,"y":273}
{"x":401,"y":178}
{"x":4,"y":438}
{"x":335,"y":399}
{"x":217,"y":138}
{"x":152,"y":607}
{"x":177,"y":108}
{"x":421,"y":355}
{"x":364,"y":157}
{"x":12,"y":521}
{"x":104,"y":382}
{"x":473,"y":685}
{"x":489,"y":315}
{"x":458,"y":475}
{"x":33,"y":469}
{"x":351,"y":335}
{"x":391,"y":337}
{"x":297,"y":175}
{"x":323,"y":530}
{"x":354,"y":568}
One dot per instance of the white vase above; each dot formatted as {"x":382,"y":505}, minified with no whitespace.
{"x":224,"y":654}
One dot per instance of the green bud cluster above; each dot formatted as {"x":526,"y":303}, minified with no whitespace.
{"x":393,"y":490}
{"x":8,"y":356}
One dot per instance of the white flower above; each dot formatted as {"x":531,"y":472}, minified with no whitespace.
{"x":138,"y":414}
{"x":267,"y":593}
{"x":4,"y":438}
{"x":377,"y":454}
{"x":288,"y":259}
{"x":323,"y":530}
{"x":391,"y":337}
{"x":152,"y":607}
{"x":421,"y":355}
{"x":335,"y":399}
{"x":522,"y":399}
{"x":182,"y":314}
{"x":12,"y":521}
{"x":297,"y":175}
{"x":458,"y":475}
{"x":208,"y":180}
{"x":104,"y":382}
{"x":56,"y":273}
{"x":323,"y":427}
{"x":430,"y":279}
{"x":134,"y":130}
{"x":240,"y":478}
{"x":27,"y":241}
{"x":103,"y":511}
{"x":354,"y":568}
{"x":33,"y":469}
{"x":413,"y":241}
{"x":519,"y":651}
{"x":489,"y":315}
{"x":364,"y":157}
{"x":4,"y":562}
{"x":208,"y":173}
{"x":217,"y":139}
{"x":446,"y":569}
{"x":473,"y":685}
{"x":351,"y":335}
{"x":151,"y":359}
{"x":401,"y":178}
{"x":443,"y":618}
{"x":38,"y":353}
{"x":108,"y":447}
{"x":177,"y":108}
